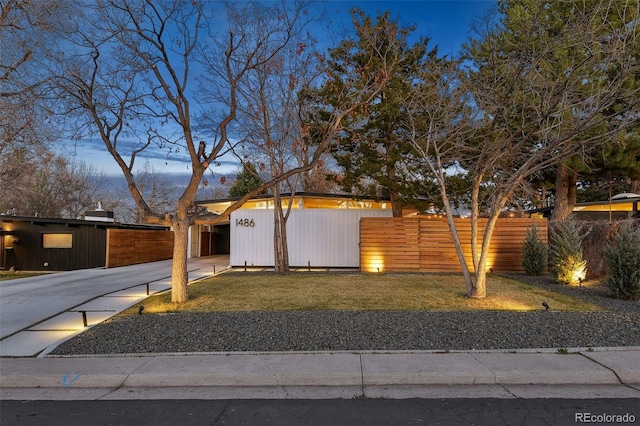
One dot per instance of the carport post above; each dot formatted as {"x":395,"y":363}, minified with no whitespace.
{"x":84,"y":318}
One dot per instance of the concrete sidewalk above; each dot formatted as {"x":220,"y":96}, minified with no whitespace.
{"x":596,"y":374}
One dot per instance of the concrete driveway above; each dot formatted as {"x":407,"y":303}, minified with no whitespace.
{"x":31,"y":303}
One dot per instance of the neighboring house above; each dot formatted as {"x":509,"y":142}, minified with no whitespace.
{"x":46,"y":244}
{"x":622,"y":206}
{"x":322,"y":230}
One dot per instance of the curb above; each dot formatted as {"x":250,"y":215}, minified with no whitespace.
{"x":570,"y":350}
{"x":326,"y":369}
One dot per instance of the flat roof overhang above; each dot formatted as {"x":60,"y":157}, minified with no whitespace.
{"x":621,"y":204}
{"x":300,"y":200}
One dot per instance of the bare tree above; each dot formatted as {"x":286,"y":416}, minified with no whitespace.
{"x":157,"y":189}
{"x":27,"y":31}
{"x":131,"y":81}
{"x":269,"y":126}
{"x":524,"y":112}
{"x":80,"y":188}
{"x":51,"y":186}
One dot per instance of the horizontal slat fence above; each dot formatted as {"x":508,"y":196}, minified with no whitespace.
{"x":133,"y":246}
{"x":421,"y":244}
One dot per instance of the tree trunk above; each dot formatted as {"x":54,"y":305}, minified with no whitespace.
{"x":468,"y":280}
{"x":566,"y":192}
{"x":179,"y":274}
{"x":285,"y":247}
{"x":454,"y":235}
{"x":396,"y":207}
{"x":479,"y":287}
{"x":277,"y":236}
{"x":280,"y":249}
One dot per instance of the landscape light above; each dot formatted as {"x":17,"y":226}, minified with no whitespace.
{"x":579,"y":275}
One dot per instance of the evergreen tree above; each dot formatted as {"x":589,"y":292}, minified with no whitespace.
{"x":614,"y":169}
{"x":623,"y":257}
{"x":569,"y":266}
{"x":246,"y":181}
{"x":373,"y":152}
{"x":534,"y":253}
{"x":618,"y":158}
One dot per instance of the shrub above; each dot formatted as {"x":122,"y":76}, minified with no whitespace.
{"x":593,"y":245}
{"x":534,"y":253}
{"x":623,"y":257}
{"x":569,"y":266}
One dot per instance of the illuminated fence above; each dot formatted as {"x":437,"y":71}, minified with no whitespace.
{"x":423,"y":244}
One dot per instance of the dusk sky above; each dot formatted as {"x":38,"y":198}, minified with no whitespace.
{"x":447,"y":23}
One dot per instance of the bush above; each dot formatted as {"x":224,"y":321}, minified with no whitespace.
{"x":569,"y":266}
{"x":598,"y":231}
{"x":534,"y":253}
{"x":623,"y":257}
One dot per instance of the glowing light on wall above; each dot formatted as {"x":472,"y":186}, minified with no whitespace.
{"x":490,"y":262}
{"x":373,"y":263}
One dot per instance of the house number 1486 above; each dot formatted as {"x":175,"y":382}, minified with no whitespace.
{"x":249,"y":223}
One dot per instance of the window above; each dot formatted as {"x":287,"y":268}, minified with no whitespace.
{"x":57,"y":241}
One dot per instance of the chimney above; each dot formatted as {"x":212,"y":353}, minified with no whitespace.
{"x":99,"y":214}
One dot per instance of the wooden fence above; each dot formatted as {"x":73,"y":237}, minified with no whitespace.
{"x":132,"y":246}
{"x":422,"y":244}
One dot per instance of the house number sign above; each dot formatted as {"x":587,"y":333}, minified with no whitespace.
{"x":247,"y":223}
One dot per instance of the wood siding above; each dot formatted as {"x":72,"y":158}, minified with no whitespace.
{"x":133,"y":246}
{"x":421,"y":244}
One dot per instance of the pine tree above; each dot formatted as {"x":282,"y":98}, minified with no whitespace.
{"x":246,"y":181}
{"x":569,"y":266}
{"x":534,"y":253}
{"x":623,"y":258}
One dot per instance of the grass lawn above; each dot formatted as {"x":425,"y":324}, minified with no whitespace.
{"x":6,"y":276}
{"x":242,"y":291}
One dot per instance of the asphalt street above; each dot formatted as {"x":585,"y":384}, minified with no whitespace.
{"x":338,"y":412}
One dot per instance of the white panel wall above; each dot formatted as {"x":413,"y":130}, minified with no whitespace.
{"x":251,"y":242}
{"x":323,"y":237}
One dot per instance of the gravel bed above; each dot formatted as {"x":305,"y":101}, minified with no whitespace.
{"x":370,"y":330}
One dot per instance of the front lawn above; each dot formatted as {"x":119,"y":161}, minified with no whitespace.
{"x":6,"y":276}
{"x":247,"y":291}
